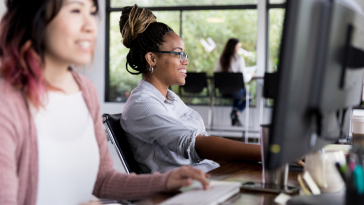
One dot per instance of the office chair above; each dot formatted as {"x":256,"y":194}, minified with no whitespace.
{"x":195,"y":83}
{"x":229,"y":84}
{"x":193,"y":87}
{"x":116,"y":135}
{"x":270,"y":87}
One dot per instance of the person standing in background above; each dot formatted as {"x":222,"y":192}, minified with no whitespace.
{"x":230,"y":61}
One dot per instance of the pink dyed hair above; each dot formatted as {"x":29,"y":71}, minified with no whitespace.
{"x":23,"y":70}
{"x":21,"y":33}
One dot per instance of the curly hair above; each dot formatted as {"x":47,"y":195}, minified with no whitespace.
{"x":141,"y":33}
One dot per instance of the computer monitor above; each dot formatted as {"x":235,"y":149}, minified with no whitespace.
{"x":319,"y":78}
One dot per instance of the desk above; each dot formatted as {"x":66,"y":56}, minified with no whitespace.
{"x":237,"y":171}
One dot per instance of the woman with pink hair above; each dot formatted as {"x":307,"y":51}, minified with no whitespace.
{"x":53,"y":147}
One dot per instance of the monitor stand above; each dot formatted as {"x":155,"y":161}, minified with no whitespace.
{"x":274,"y":181}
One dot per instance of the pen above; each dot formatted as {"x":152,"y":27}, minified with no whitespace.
{"x":352,"y":163}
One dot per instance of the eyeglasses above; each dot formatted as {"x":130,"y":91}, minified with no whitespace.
{"x":182,"y":55}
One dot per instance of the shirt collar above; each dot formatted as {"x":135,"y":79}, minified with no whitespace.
{"x":170,"y":95}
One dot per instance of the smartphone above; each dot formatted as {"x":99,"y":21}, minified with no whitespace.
{"x":258,"y":186}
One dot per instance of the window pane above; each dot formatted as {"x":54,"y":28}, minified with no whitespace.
{"x":151,"y":3}
{"x":277,"y":1}
{"x":219,"y":26}
{"x":120,"y":80}
{"x":276,"y":17}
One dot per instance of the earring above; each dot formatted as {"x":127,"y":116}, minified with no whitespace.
{"x":151,"y":69}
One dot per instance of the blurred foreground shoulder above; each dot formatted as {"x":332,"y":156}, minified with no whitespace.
{"x":10,"y":97}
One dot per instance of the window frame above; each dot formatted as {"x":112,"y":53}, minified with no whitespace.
{"x":268,"y":8}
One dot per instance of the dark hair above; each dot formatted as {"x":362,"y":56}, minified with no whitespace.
{"x":228,"y":54}
{"x":22,"y":31}
{"x":141,"y":34}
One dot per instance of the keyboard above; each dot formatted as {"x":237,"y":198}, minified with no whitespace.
{"x":219,"y":192}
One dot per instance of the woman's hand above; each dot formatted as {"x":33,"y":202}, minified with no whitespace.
{"x":300,"y":162}
{"x":183,"y":177}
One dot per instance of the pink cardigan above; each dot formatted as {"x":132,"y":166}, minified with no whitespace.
{"x":19,"y":153}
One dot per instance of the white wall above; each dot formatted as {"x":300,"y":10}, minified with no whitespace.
{"x":361,"y":3}
{"x":2,"y":8}
{"x":97,"y":72}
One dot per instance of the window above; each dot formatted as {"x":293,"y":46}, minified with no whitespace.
{"x":277,"y":1}
{"x":165,"y":3}
{"x":219,"y":25}
{"x":276,"y":12}
{"x":216,"y":20}
{"x":276,"y":17}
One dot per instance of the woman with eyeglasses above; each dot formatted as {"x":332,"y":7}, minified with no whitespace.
{"x":53,"y":147}
{"x":165,"y":133}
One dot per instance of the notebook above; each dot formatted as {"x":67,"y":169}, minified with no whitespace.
{"x":219,"y":192}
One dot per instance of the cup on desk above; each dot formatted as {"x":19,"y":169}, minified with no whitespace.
{"x":321,"y":166}
{"x":279,"y":176}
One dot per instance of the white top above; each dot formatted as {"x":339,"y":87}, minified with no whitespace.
{"x":68,"y":151}
{"x":237,"y":65}
{"x":162,"y":132}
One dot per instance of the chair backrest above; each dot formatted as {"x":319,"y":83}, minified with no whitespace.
{"x":270,"y":87}
{"x":118,"y":138}
{"x":228,"y":83}
{"x":195,"y":83}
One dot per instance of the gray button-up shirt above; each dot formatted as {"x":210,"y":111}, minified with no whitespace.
{"x":162,"y":132}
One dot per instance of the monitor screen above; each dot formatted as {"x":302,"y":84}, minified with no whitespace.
{"x":317,"y":82}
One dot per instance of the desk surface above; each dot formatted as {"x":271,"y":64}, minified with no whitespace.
{"x":242,"y":172}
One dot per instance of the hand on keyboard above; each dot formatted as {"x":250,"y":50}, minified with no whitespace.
{"x":194,"y":186}
{"x":183,"y":177}
{"x":218,"y":192}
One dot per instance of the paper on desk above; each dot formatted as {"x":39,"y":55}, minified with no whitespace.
{"x":282,"y":198}
{"x":311,"y":183}
{"x":338,"y":147}
{"x":248,"y":73}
